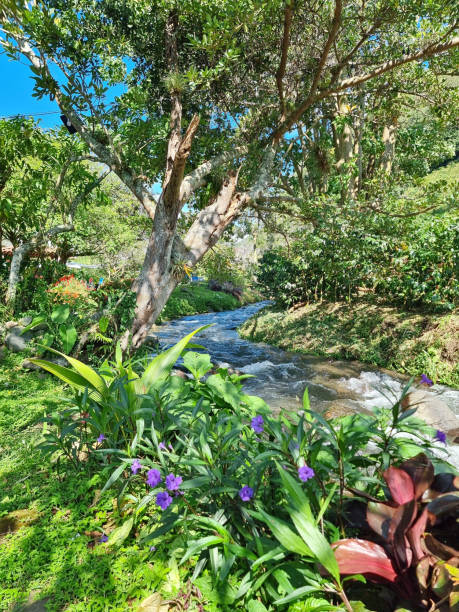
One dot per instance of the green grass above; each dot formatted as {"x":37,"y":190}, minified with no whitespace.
{"x":56,"y":556}
{"x":196,"y":298}
{"x":386,"y":337}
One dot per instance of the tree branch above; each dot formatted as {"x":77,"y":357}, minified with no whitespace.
{"x":171,"y":192}
{"x":196,"y":178}
{"x":430,"y":50}
{"x":284,"y":53}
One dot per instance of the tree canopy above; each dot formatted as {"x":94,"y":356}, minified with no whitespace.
{"x":207,"y":98}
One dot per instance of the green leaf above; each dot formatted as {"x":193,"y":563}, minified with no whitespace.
{"x":296,"y":493}
{"x":196,"y":546}
{"x":114,"y":477}
{"x":61,"y":313}
{"x":288,"y":538}
{"x":162,"y":364}
{"x":103,"y":324}
{"x":225,"y":389}
{"x":316,"y":542}
{"x":118,"y":535}
{"x":197,"y":363}
{"x":68,"y":337}
{"x":65,"y":374}
{"x":92,"y":378}
{"x":295,"y":595}
{"x":256,"y":606}
{"x":36,"y":321}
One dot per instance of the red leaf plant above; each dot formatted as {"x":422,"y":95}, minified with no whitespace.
{"x":412,"y":560}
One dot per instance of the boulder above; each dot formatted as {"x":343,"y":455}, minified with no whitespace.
{"x":15,"y":342}
{"x":433,"y":410}
{"x":25,"y":321}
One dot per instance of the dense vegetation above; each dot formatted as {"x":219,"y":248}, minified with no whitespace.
{"x":210,"y":153}
{"x":219,"y":503}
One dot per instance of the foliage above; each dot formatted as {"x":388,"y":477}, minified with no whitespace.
{"x":411,"y":263}
{"x":57,"y":557}
{"x":413,"y":560}
{"x":60,"y":329}
{"x":221,"y":264}
{"x":225,"y":472}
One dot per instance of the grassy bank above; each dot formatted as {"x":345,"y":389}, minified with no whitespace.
{"x":196,"y":298}
{"x":407,"y":342}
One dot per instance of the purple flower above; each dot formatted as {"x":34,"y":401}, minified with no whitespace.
{"x":135,"y":467}
{"x":163,"y":500}
{"x":162,"y":446}
{"x":246,"y":493}
{"x":257,"y":424}
{"x":305,"y":473}
{"x":171,"y":448}
{"x":153,"y":478}
{"x":440,"y":436}
{"x":101,"y":438}
{"x":152,"y":548}
{"x":425,"y":380}
{"x":103,"y":538}
{"x":173,"y":482}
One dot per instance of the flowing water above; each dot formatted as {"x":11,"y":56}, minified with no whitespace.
{"x":280,"y":377}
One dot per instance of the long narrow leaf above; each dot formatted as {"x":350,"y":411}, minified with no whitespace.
{"x":162,"y":364}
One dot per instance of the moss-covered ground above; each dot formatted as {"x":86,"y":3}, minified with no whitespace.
{"x":407,"y":342}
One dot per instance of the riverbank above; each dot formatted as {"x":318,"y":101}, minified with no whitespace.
{"x":407,"y":342}
{"x":197,"y":298}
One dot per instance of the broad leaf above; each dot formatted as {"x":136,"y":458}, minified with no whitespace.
{"x":61,"y":313}
{"x":421,"y":471}
{"x":356,"y":556}
{"x":400,"y":485}
{"x":68,"y":336}
{"x":197,"y":363}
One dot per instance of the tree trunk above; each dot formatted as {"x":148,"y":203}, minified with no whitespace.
{"x":167,"y":255}
{"x":15,"y":268}
{"x":387,"y":159}
{"x":157,"y":279}
{"x":344,"y":149}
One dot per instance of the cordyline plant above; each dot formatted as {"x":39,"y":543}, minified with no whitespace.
{"x":420,"y":567}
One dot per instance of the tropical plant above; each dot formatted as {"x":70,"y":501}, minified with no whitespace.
{"x":422,"y":568}
{"x":59,"y":326}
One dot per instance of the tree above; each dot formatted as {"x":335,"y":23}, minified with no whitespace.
{"x":44,"y":182}
{"x":215,"y":88}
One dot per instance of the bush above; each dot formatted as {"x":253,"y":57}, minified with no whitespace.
{"x":411,"y":264}
{"x":250,"y":501}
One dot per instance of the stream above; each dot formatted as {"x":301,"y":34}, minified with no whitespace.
{"x":280,"y":377}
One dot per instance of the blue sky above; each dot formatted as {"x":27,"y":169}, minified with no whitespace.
{"x":16,"y":97}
